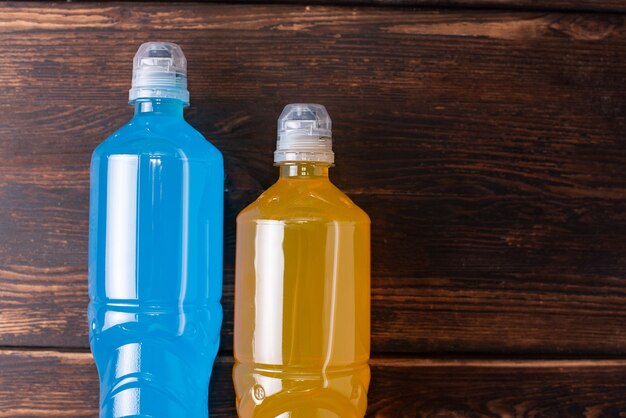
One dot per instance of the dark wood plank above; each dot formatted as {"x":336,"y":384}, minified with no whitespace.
{"x":487,"y":148}
{"x":53,"y":384}
{"x":282,"y":52}
{"x":65,"y":384}
{"x":482,"y":97}
{"x":408,"y":388}
{"x":457,"y":275}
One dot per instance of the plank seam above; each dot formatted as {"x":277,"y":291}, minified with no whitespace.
{"x":397,"y":359}
{"x":400,"y":362}
{"x":428,"y":5}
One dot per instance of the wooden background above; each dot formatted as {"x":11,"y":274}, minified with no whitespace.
{"x":485,"y":138}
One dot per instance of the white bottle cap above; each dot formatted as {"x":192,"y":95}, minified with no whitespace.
{"x":304,"y":134}
{"x":159,"y":71}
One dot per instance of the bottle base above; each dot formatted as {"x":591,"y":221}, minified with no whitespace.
{"x":277,"y":392}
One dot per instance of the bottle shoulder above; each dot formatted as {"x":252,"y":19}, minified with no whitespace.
{"x":311,"y":200}
{"x":154,"y":136}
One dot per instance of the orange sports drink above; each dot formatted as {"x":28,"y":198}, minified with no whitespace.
{"x":302,"y":285}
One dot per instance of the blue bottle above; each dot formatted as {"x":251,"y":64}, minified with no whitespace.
{"x":155,"y":250}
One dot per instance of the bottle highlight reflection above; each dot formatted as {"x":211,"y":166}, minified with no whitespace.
{"x":302,"y":292}
{"x":155,"y":259}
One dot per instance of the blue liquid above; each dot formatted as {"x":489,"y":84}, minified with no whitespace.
{"x":155,"y":265}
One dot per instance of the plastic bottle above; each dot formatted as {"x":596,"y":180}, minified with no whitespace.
{"x":302,"y":286}
{"x":155,"y":250}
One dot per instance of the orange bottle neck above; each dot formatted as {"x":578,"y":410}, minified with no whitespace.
{"x":304,"y":170}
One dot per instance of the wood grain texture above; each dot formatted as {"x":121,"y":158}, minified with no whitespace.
{"x":54,"y":384}
{"x":486,"y":146}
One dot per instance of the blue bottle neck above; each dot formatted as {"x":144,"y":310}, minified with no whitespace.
{"x":160,"y":107}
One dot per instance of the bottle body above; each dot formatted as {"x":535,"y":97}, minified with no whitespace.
{"x":302,"y":300}
{"x":155,"y":264}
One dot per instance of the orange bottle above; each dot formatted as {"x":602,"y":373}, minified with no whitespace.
{"x":302,"y":288}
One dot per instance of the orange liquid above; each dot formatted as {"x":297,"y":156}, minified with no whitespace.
{"x":302,"y":300}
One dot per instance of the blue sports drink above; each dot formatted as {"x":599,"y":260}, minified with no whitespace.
{"x":155,"y":250}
